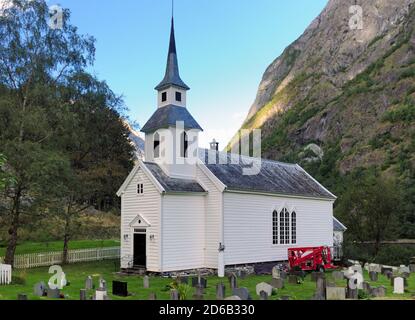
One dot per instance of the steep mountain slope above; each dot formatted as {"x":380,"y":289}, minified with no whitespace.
{"x":350,"y":92}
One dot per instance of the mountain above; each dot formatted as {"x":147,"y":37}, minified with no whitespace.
{"x":136,"y":140}
{"x":348,"y":92}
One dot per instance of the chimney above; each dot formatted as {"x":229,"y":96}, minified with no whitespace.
{"x":214,"y":145}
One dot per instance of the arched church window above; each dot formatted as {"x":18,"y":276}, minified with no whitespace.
{"x":184,"y":145}
{"x":275,"y":227}
{"x":156,"y":145}
{"x":293,"y":228}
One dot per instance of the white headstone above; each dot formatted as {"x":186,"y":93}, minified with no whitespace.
{"x":100,"y":294}
{"x":276,"y":272}
{"x":398,"y":286}
{"x":263,"y":286}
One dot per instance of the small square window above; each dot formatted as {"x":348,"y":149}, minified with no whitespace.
{"x":164,"y":96}
{"x":178,"y":96}
{"x":140,"y":188}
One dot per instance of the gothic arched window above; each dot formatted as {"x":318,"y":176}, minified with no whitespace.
{"x":184,"y":145}
{"x":293,"y":228}
{"x":275,"y":227}
{"x":156,"y":145}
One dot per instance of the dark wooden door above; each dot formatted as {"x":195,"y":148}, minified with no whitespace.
{"x":140,"y":250}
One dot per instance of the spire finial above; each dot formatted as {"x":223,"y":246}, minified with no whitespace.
{"x":172,"y":9}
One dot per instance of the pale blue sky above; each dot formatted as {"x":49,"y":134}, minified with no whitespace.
{"x":224,"y":47}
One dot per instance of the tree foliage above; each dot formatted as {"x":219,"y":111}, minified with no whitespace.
{"x":60,"y":128}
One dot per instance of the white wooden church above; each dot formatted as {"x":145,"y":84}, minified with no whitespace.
{"x":181,"y":210}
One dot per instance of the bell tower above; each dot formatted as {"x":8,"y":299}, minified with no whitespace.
{"x":172,"y":134}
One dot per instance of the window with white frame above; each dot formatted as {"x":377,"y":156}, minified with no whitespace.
{"x":293,"y":227}
{"x":275,"y":227}
{"x":140,"y":188}
{"x":284,"y":227}
{"x":282,"y":230}
{"x":287,"y":226}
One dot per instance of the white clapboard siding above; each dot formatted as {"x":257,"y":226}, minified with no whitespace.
{"x":5,"y":274}
{"x":148,"y":206}
{"x":183,"y":232}
{"x":213,"y":205}
{"x":46,"y":259}
{"x":248,"y":226}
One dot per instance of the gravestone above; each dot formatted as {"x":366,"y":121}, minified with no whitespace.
{"x":53,"y":293}
{"x":386,"y":269}
{"x":89,"y":284}
{"x":399,"y":287}
{"x":233,"y":298}
{"x":292,"y":279}
{"x":39,"y":289}
{"x":405,"y":275}
{"x":277,"y":283}
{"x":366,"y":287}
{"x":120,"y":288}
{"x":242,"y":274}
{"x":263,"y":286}
{"x":388,"y":274}
{"x":276,"y":272}
{"x":174,"y":294}
{"x":412,"y":268}
{"x":374,"y":267}
{"x":337,"y":275}
{"x":152,"y":296}
{"x":379,"y":292}
{"x":352,"y":293}
{"x":335,"y":293}
{"x":373,"y":276}
{"x":233,"y":281}
{"x":318,"y":296}
{"x":405,"y":281}
{"x":102,"y":284}
{"x":198,"y":293}
{"x":220,"y":291}
{"x":321,"y":288}
{"x":146,"y":282}
{"x":283,"y":275}
{"x":82,"y":295}
{"x":317,"y":275}
{"x":100,"y":294}
{"x":403,"y":269}
{"x":357,"y":267}
{"x":199,"y":281}
{"x":242,"y":293}
{"x":263,"y":295}
{"x":22,"y":297}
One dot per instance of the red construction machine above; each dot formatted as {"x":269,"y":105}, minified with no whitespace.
{"x":310,"y":259}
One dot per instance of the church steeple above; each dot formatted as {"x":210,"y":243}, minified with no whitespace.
{"x":172,"y":76}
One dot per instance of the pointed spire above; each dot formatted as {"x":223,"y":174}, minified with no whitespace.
{"x":172,"y":76}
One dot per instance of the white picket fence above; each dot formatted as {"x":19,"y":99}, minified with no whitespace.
{"x":46,"y":259}
{"x":5,"y":274}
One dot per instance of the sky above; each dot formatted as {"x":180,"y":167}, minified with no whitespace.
{"x":224,"y":47}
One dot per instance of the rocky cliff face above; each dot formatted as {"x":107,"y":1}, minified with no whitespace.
{"x":349,"y":91}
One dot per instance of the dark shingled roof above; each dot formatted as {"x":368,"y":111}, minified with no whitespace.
{"x":337,"y":226}
{"x":172,"y":184}
{"x":167,"y":116}
{"x":273,"y":177}
{"x":172,"y":76}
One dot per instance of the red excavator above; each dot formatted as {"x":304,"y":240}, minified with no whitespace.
{"x":310,"y":259}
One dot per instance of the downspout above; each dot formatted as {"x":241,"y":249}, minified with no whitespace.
{"x":221,"y":255}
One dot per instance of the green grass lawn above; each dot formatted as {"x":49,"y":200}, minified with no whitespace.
{"x":77,"y":273}
{"x":36,"y":247}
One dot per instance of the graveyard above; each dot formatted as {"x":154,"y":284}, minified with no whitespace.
{"x":25,"y":281}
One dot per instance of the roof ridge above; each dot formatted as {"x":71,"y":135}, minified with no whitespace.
{"x":249,"y":157}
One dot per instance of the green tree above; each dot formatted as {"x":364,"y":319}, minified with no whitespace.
{"x":35,"y":61}
{"x":370,"y":206}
